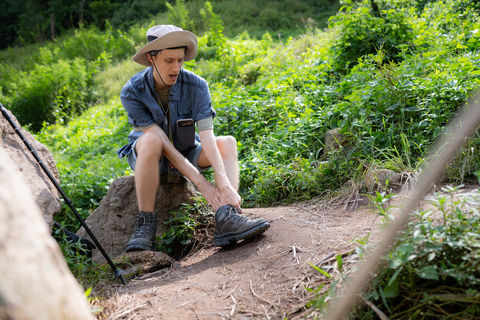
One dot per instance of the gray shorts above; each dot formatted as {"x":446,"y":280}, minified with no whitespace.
{"x":162,"y":165}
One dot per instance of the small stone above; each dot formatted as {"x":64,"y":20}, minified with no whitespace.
{"x":143,"y":262}
{"x":333,"y":139}
{"x":378,"y":177}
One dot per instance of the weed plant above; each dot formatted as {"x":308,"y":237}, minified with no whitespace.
{"x":432,"y":271}
{"x":184,"y":228}
{"x":82,"y":267}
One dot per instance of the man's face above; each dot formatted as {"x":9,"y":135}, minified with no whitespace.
{"x":168,"y":63}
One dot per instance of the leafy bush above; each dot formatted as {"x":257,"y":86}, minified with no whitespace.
{"x":178,"y":16}
{"x":50,"y":92}
{"x":360,"y":33}
{"x":55,"y":83}
{"x":433,"y":268}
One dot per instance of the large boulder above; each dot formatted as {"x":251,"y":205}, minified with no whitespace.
{"x":42,"y":189}
{"x":113,"y":221}
{"x":35,"y":282}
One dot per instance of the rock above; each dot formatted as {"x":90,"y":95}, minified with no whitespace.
{"x":333,"y":139}
{"x":113,"y":221}
{"x":35,"y":282}
{"x":376,"y":178}
{"x":143,"y":262}
{"x":43,"y":190}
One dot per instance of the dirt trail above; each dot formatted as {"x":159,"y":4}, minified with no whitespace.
{"x":261,"y":278}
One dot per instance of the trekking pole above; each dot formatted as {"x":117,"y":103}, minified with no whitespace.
{"x":118,"y":272}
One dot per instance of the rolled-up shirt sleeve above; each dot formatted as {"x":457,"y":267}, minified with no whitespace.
{"x":203,"y":103}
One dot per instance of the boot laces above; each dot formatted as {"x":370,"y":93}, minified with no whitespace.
{"x":145,"y":225}
{"x":234,"y":215}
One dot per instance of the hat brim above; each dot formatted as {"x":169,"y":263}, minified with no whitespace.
{"x":170,"y":40}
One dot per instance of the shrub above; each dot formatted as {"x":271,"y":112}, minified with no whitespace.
{"x":50,"y":92}
{"x":360,"y":33}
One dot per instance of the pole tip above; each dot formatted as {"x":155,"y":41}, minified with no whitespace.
{"x":119,"y":274}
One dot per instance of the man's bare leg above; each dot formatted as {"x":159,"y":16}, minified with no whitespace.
{"x":149,"y":151}
{"x":227,"y":145}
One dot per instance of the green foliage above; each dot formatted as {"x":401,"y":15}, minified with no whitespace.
{"x":178,"y":16}
{"x":85,"y":154}
{"x":278,"y":99}
{"x":55,"y":82}
{"x":213,"y":26}
{"x":433,"y":268}
{"x":182,"y":225}
{"x":362,"y":33}
{"x":49,"y":92}
{"x":31,"y":20}
{"x":83,"y":268}
{"x":281,"y":18}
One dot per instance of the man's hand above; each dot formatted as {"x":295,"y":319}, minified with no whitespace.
{"x":211,"y":194}
{"x":211,"y":155}
{"x":228,"y":195}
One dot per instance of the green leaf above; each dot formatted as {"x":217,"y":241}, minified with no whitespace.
{"x":326,"y":274}
{"x":88,"y":292}
{"x":392,"y":290}
{"x":339,"y":262}
{"x":428,"y":272}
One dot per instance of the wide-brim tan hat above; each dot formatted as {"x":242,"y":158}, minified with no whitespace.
{"x":164,"y":37}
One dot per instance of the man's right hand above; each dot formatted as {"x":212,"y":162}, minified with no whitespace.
{"x":211,"y":194}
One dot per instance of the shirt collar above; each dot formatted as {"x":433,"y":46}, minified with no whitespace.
{"x":174,"y":91}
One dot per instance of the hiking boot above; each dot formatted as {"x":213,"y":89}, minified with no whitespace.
{"x":144,"y":234}
{"x":231,"y":226}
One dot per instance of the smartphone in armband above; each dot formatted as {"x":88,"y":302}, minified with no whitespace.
{"x":184,"y":123}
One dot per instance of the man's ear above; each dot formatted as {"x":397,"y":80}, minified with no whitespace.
{"x":149,"y":57}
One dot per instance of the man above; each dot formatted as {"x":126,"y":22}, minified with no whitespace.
{"x":163,"y":103}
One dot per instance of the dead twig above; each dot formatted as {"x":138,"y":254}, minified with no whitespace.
{"x":233,"y":306}
{"x":129,"y":310}
{"x":231,"y":292}
{"x":257,"y":296}
{"x":375,"y":309}
{"x":324,"y":259}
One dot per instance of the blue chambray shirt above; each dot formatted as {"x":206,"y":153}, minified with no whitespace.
{"x":189,"y":99}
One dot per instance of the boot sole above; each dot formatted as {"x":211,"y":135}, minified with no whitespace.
{"x":140,"y":247}
{"x":221,"y":241}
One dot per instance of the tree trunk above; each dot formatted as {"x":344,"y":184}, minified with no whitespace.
{"x":80,"y":19}
{"x":52,"y":27}
{"x":35,"y":282}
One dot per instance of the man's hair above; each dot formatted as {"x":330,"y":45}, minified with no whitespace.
{"x":155,"y":52}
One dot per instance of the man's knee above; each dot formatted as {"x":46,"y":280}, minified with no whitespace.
{"x":227,"y":144}
{"x":149,"y":144}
